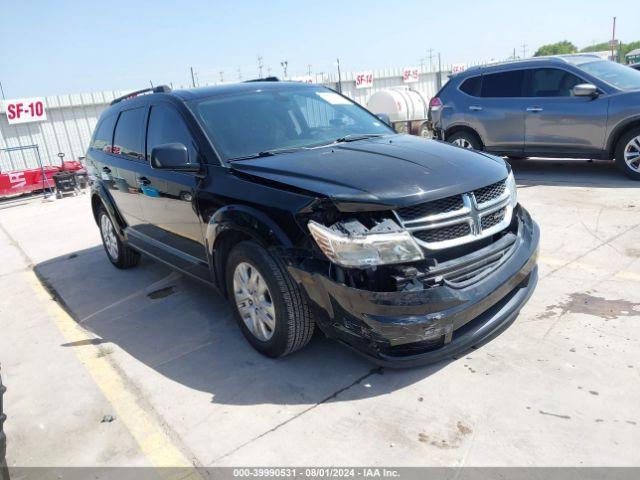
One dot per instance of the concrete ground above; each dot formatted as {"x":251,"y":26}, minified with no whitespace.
{"x":160,"y":356}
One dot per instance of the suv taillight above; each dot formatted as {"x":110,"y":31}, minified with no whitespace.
{"x":435,"y":102}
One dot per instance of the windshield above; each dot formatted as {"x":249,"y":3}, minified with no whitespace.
{"x":620,"y":76}
{"x":248,"y":124}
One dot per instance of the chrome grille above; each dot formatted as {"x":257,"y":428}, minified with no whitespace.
{"x":459,"y":219}
{"x":490,"y":192}
{"x":492,"y":219}
{"x":444,"y":233}
{"x":444,"y":205}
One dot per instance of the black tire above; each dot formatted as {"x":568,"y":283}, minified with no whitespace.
{"x":125,"y":257}
{"x":4,"y":473}
{"x":466,"y":137}
{"x":294,"y":324}
{"x":620,"y":151}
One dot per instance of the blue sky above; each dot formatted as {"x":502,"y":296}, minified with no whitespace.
{"x":54,"y":47}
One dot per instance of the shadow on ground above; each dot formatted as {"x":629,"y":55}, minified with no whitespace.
{"x":185,"y":331}
{"x":569,"y":172}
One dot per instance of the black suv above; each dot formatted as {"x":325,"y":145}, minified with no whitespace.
{"x":305,"y":209}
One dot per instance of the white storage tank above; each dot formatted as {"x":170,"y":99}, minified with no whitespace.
{"x":407,"y":108}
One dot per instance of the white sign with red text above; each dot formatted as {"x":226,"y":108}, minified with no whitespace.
{"x":24,"y":110}
{"x":458,"y":67}
{"x":364,"y":79}
{"x":303,"y":79}
{"x":410,"y":75}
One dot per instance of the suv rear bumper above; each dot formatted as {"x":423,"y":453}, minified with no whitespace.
{"x":409,"y":328}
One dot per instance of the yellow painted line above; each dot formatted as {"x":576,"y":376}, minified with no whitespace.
{"x":154,"y":443}
{"x":556,"y":262}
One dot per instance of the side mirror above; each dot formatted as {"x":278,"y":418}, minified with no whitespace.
{"x":172,"y":156}
{"x":585,"y":90}
{"x":384,"y":117}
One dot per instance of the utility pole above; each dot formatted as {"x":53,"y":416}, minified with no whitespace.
{"x":430,"y":57}
{"x":239,"y":74}
{"x":2,"y":91}
{"x":524,"y":50}
{"x":309,"y":69}
{"x":221,"y":76}
{"x":268,"y":71}
{"x":151,"y":83}
{"x":439,"y":71}
{"x":260,"y":65}
{"x":613,"y":39}
{"x":193,"y":78}
{"x":421,"y":65}
{"x":339,"y":76}
{"x":284,"y":64}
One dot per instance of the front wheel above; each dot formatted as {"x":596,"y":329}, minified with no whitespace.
{"x":465,"y":139}
{"x":268,"y":305}
{"x":628,"y":154}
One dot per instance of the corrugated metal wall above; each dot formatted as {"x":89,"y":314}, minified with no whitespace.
{"x":72,"y":118}
{"x":68,"y":128}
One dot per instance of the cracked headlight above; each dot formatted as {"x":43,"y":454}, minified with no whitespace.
{"x":513,"y":189}
{"x":365,"y":248}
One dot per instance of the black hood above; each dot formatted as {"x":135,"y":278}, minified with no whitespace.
{"x":393,"y":171}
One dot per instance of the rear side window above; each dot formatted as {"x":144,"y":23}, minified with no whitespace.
{"x":471,"y":86}
{"x":503,"y":84}
{"x":552,"y":82}
{"x":103,"y":136}
{"x":166,"y":126}
{"x":127,"y":139}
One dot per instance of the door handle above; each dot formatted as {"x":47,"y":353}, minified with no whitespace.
{"x":106,"y":169}
{"x":144,"y":181}
{"x":534,"y":109}
{"x":475,"y":108}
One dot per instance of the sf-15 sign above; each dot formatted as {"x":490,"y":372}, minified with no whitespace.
{"x":25,"y":110}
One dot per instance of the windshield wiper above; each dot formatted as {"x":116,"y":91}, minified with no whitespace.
{"x":357,"y":136}
{"x":265,"y":153}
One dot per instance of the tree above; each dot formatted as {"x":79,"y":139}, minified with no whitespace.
{"x":557,"y":48}
{"x":598,"y":47}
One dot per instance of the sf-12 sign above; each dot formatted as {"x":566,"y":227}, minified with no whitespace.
{"x":410,"y":75}
{"x":24,"y":110}
{"x":364,"y":80}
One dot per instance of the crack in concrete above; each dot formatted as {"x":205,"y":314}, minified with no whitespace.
{"x":373,"y":371}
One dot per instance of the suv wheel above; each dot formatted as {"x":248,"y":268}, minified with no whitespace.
{"x":268,"y":305}
{"x":628,"y":154}
{"x":119,"y":254}
{"x":465,"y":139}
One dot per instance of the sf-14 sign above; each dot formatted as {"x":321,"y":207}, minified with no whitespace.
{"x":24,"y":110}
{"x":364,"y":79}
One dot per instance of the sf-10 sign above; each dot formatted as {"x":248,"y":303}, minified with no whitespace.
{"x":25,"y":110}
{"x":364,"y":80}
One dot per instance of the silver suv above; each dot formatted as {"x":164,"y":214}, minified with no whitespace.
{"x":576,"y":106}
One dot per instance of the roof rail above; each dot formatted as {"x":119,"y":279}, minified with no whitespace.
{"x":158,"y":89}
{"x":265,"y":79}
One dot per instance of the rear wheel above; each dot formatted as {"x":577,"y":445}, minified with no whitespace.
{"x":465,"y":139}
{"x":268,"y":305}
{"x":628,"y":154}
{"x":119,"y":254}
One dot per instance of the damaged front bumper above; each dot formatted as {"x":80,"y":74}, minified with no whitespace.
{"x":415,"y":327}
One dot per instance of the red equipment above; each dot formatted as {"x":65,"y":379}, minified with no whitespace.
{"x":19,"y":182}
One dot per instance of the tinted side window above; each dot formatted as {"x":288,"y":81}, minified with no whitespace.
{"x":471,"y":86}
{"x":551,"y":82}
{"x":166,"y":126}
{"x":103,"y":135}
{"x":504,"y":84}
{"x":127,"y":140}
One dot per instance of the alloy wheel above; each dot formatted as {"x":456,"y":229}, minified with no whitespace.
{"x":254,"y":301}
{"x":463,"y":142}
{"x":109,"y":237}
{"x":632,"y":154}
